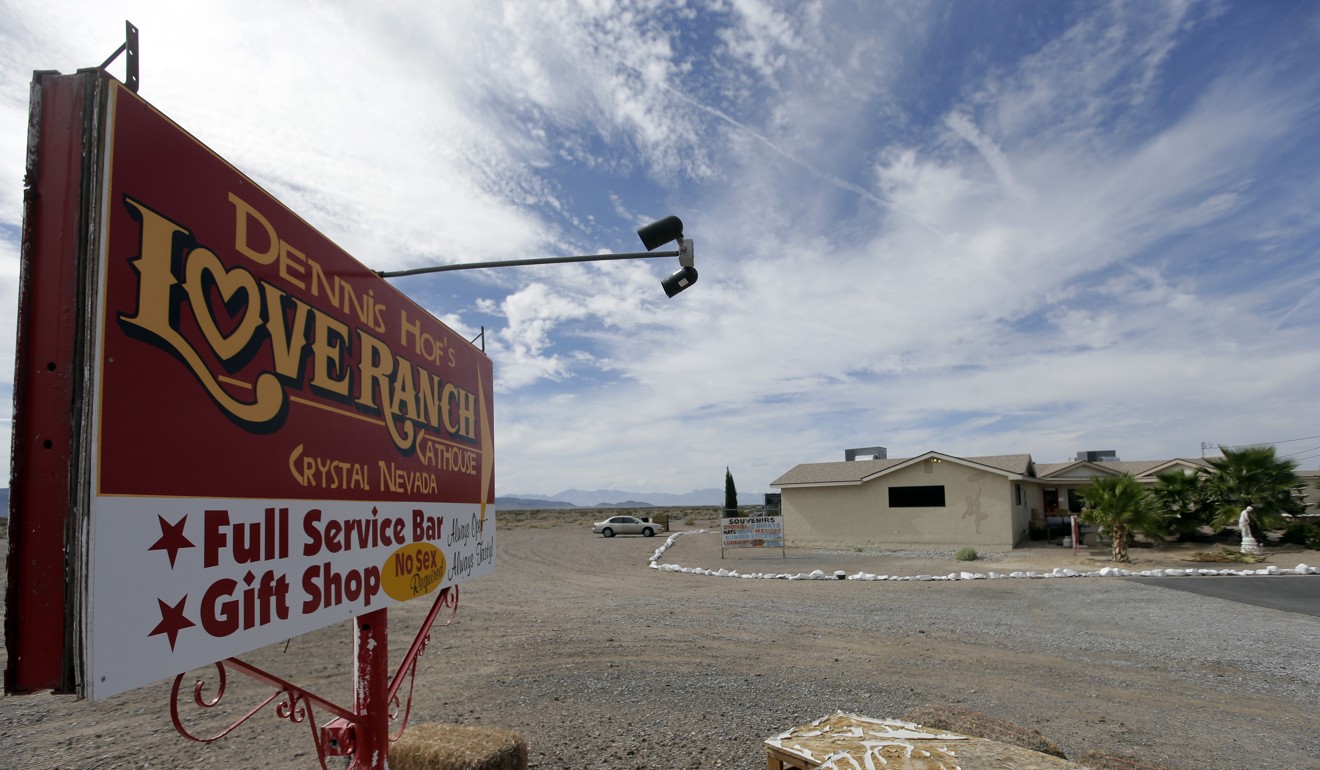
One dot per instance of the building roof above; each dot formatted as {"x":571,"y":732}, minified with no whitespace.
{"x":1020,"y":465}
{"x":834,"y":473}
{"x":859,"y":471}
{"x":1085,"y":470}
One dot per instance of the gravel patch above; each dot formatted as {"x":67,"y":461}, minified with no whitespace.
{"x":600,"y":662}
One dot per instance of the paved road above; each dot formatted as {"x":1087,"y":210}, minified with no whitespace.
{"x":1290,"y":593}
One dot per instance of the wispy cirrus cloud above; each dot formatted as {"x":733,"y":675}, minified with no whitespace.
{"x":930,"y":227}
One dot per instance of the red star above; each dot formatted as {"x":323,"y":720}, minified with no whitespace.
{"x":172,"y":620}
{"x":171,"y":538}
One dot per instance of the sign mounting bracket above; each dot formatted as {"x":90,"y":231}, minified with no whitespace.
{"x":130,"y":47}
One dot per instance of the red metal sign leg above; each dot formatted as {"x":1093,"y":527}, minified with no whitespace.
{"x":371,"y":682}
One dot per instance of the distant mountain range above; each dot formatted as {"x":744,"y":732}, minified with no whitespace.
{"x":614,"y":498}
{"x":529,"y":504}
{"x":581,"y":498}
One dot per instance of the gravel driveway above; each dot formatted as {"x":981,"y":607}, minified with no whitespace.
{"x":600,"y":662}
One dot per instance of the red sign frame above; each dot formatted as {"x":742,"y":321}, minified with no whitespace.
{"x":236,"y":431}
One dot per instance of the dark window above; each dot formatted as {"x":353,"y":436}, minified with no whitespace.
{"x":916,"y":497}
{"x":1017,"y":489}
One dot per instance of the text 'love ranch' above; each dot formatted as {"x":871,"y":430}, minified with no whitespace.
{"x":269,"y":323}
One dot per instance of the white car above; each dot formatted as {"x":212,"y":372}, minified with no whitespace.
{"x":626,"y":525}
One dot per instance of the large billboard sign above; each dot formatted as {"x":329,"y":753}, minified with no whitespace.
{"x":266,"y":438}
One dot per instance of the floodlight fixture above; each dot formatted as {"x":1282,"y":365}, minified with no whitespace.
{"x":660,"y":232}
{"x":653,"y":235}
{"x":679,"y":280}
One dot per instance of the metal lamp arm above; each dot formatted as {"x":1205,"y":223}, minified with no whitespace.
{"x":685,"y":249}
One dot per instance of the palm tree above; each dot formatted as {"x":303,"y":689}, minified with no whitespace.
{"x":1253,"y":476}
{"x":1122,"y":507}
{"x":1184,"y":499}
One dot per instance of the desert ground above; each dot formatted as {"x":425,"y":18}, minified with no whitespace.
{"x":599,"y":661}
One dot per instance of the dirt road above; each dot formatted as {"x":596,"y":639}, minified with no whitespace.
{"x":601,"y":662}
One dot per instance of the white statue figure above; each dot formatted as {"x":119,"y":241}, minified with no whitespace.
{"x":1249,"y":544}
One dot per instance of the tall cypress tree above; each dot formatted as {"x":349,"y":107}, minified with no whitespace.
{"x":730,"y":494}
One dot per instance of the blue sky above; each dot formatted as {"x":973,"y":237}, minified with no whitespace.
{"x":971,"y":227}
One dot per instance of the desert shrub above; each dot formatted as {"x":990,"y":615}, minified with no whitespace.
{"x":1303,"y":534}
{"x":966,"y":554}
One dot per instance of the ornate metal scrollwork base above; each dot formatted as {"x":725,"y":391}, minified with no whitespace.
{"x":448,"y":598}
{"x":298,"y":705}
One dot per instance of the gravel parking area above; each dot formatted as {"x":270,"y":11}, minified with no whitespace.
{"x":601,"y":662}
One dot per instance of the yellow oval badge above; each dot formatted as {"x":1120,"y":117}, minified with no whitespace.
{"x":412,"y":571}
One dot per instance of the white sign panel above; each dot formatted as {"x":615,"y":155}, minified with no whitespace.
{"x":752,"y":532}
{"x":181,"y":583}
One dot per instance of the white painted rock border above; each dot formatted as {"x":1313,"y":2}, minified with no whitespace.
{"x":1060,"y":572}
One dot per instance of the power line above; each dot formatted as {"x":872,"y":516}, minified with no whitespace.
{"x":1315,"y":453}
{"x":1264,"y":443}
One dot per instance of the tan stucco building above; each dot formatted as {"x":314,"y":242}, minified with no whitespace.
{"x":1310,"y":490}
{"x":938,"y":500}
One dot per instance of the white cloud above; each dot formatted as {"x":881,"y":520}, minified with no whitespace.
{"x":1092,"y":231}
{"x":1101,"y":70}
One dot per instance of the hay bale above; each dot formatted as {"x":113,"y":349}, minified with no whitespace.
{"x":1102,"y":760}
{"x":960,"y":720}
{"x":437,"y":746}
